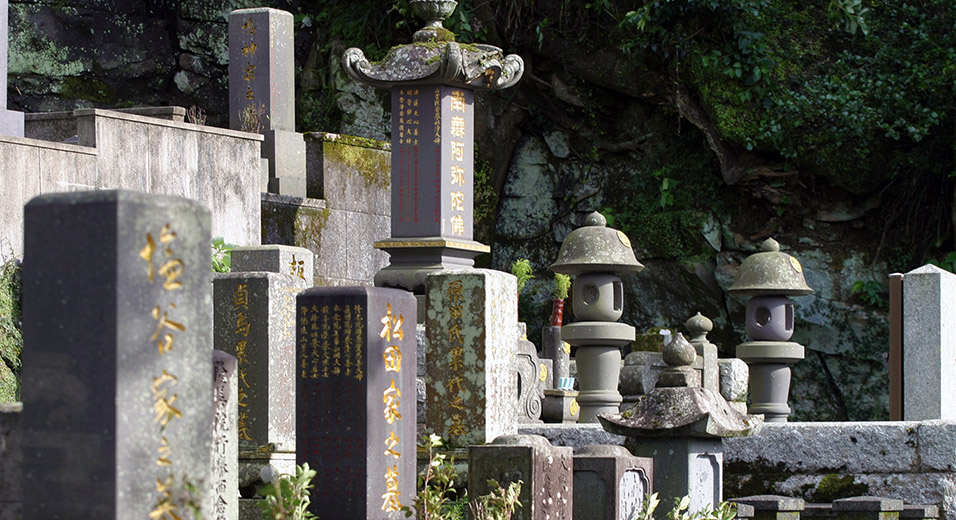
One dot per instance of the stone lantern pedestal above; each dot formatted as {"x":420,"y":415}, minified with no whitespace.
{"x":597,"y":255}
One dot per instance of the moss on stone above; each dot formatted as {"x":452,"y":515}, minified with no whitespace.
{"x":834,"y":486}
{"x":91,"y":89}
{"x":11,"y":339}
{"x":374,"y":166}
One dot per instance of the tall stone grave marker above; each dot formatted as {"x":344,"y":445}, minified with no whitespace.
{"x":929,"y":344}
{"x":471,"y":386}
{"x":355,"y":399}
{"x":432,"y":144}
{"x":11,"y":122}
{"x":262,"y":90}
{"x":225,"y":467}
{"x":116,"y":366}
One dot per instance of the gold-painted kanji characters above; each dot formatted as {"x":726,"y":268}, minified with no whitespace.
{"x":457,"y":101}
{"x":171,"y":268}
{"x":392,"y":494}
{"x":165,"y":344}
{"x":390,"y":444}
{"x":457,"y":175}
{"x":163,"y":402}
{"x":391,"y":399}
{"x":393,"y":358}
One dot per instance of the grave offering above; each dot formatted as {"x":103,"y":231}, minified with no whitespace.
{"x":680,"y":425}
{"x":117,"y":367}
{"x":471,"y":324}
{"x":262,"y":92}
{"x":929,"y":345}
{"x":432,"y":81}
{"x":355,"y":399}
{"x":610,"y":483}
{"x":225,"y":455}
{"x":769,"y":278}
{"x":544,"y":470}
{"x":11,"y":122}
{"x":597,"y":255}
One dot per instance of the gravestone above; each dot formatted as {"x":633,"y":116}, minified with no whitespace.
{"x":117,"y":384}
{"x":529,"y":388}
{"x":225,"y":455}
{"x":868,"y":508}
{"x":773,"y":507}
{"x":610,"y":483}
{"x":262,"y":90}
{"x":355,"y":399}
{"x":471,"y":323}
{"x":544,"y":470}
{"x":929,"y":344}
{"x":274,"y":258}
{"x":706,"y":363}
{"x":558,"y":351}
{"x":11,"y":122}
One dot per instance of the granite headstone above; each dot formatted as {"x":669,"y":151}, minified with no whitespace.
{"x":610,"y":483}
{"x":225,"y":441}
{"x":929,"y":344}
{"x":117,"y":365}
{"x":355,"y":399}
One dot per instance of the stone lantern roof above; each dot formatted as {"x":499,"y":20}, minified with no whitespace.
{"x":770,"y":273}
{"x":596,"y":248}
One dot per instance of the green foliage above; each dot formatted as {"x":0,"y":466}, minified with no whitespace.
{"x":499,"y":504}
{"x":434,"y":499}
{"x":521,"y":268}
{"x":562,"y":284}
{"x":723,"y":511}
{"x":871,"y":292}
{"x":288,"y":497}
{"x":221,"y":255}
{"x":948,"y":263}
{"x":850,"y":14}
{"x":11,"y":338}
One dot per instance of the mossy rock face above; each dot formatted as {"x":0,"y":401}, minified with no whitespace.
{"x":833,"y":486}
{"x":11,"y":339}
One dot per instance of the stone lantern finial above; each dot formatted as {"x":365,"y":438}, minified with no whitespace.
{"x":434,"y":12}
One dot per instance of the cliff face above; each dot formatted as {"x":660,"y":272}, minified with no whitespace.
{"x":699,"y":130}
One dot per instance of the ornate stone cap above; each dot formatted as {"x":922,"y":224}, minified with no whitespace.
{"x":595,"y":248}
{"x":435,"y":57}
{"x":770,"y":272}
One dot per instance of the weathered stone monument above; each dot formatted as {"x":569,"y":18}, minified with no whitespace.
{"x":610,"y":483}
{"x":680,"y":425}
{"x":262,"y":92}
{"x":597,"y":255}
{"x":117,"y":369}
{"x":355,"y":399}
{"x":544,"y":470}
{"x":929,"y":344}
{"x":225,"y":439}
{"x":471,"y":325}
{"x":432,"y":81}
{"x":11,"y":122}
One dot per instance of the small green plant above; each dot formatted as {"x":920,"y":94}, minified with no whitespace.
{"x":723,"y":511}
{"x":221,"y":255}
{"x":288,"y":497}
{"x":521,"y":268}
{"x":434,"y":499}
{"x":499,"y":504}
{"x":871,"y":292}
{"x":850,"y":13}
{"x":562,"y":284}
{"x":948,"y":263}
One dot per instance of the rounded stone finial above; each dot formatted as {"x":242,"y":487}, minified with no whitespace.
{"x":595,"y":219}
{"x":679,"y":352}
{"x":770,"y":246}
{"x":699,"y":324}
{"x":434,"y":12}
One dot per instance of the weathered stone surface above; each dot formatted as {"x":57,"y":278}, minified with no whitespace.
{"x":734,"y":377}
{"x":472,"y":331}
{"x":773,"y":503}
{"x":610,"y":483}
{"x":681,"y":412}
{"x":686,"y":466}
{"x":274,"y":258}
{"x":116,"y":358}
{"x":225,"y":439}
{"x":867,"y":504}
{"x":261,"y":67}
{"x":573,"y":435}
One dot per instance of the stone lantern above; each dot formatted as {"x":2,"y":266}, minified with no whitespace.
{"x":597,"y":255}
{"x":769,"y":278}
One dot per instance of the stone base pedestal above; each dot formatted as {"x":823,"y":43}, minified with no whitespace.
{"x":684,"y":467}
{"x":769,"y":363}
{"x":412,"y":259}
{"x":560,"y":406}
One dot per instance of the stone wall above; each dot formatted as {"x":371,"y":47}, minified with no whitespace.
{"x":115,"y":150}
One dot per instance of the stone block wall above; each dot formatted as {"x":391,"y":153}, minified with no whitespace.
{"x":148,"y":151}
{"x":347,"y":209}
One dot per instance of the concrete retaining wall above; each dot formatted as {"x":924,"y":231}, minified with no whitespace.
{"x":115,"y":150}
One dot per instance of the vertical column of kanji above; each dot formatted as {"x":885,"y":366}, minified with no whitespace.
{"x":118,"y":320}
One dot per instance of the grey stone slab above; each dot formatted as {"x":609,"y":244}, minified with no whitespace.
{"x":225,"y":439}
{"x":116,"y":364}
{"x":11,"y":460}
{"x":122,"y":162}
{"x":355,"y":395}
{"x":640,"y":372}
{"x":274,"y":258}
{"x":920,"y":512}
{"x":227,"y":182}
{"x":867,"y":504}
{"x":49,"y":126}
{"x":285,"y":151}
{"x":573,"y":435}
{"x":776,"y":503}
{"x":255,"y":321}
{"x":174,"y":162}
{"x":21,"y":182}
{"x":350,"y":173}
{"x":362,"y":230}
{"x":610,"y":483}
{"x":67,"y":170}
{"x":685,"y":467}
{"x":545,"y":470}
{"x":929,"y":344}
{"x":861,"y":447}
{"x":262,"y":66}
{"x":937,"y":445}
{"x":471,"y":321}
{"x":734,"y":378}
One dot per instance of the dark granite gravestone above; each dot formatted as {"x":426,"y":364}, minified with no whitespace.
{"x":117,"y":362}
{"x":11,"y":122}
{"x":355,"y":399}
{"x":225,"y":454}
{"x":471,"y":387}
{"x":262,"y":85}
{"x":544,"y":470}
{"x":610,"y":483}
